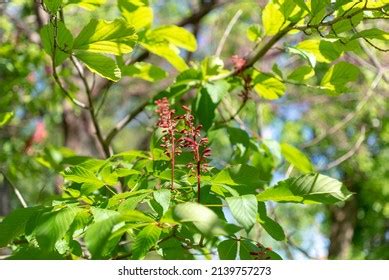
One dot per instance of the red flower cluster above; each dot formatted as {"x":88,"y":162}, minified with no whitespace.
{"x":239,"y":62}
{"x":189,"y":137}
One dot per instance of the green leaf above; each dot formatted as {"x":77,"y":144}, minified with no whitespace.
{"x":145,"y":240}
{"x":271,"y":226}
{"x":228,"y":249}
{"x":5,"y":118}
{"x":163,"y":198}
{"x":245,"y":176}
{"x":295,"y":157}
{"x":81,"y":175}
{"x":136,"y":12}
{"x":272,"y":19}
{"x":52,"y":226}
{"x":301,"y":4}
{"x":166,"y":51}
{"x":98,"y":234}
{"x":254,"y":33}
{"x":172,"y":249}
{"x":250,"y":251}
{"x":347,"y":24}
{"x":324,"y":51}
{"x":112,"y":37}
{"x":337,"y":77}
{"x":14,"y":224}
{"x":64,"y":41}
{"x":310,"y":188}
{"x":308,"y":56}
{"x":267,"y":86}
{"x":145,"y":71}
{"x":204,"y":109}
{"x":318,"y":5}
{"x":52,"y":5}
{"x":89,"y":5}
{"x":373,"y":33}
{"x":100,"y":64}
{"x":33,"y":253}
{"x":203,"y":218}
{"x":177,"y":36}
{"x":244,"y":210}
{"x":301,"y":74}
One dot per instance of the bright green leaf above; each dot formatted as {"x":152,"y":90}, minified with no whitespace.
{"x":254,"y":32}
{"x":267,"y":86}
{"x":145,"y":240}
{"x":245,"y":177}
{"x":272,"y":19}
{"x":324,"y":51}
{"x":295,"y":157}
{"x":145,"y":71}
{"x":112,"y":37}
{"x":301,"y":74}
{"x":243,"y":209}
{"x":163,"y":198}
{"x":177,"y":36}
{"x":64,"y":41}
{"x":168,"y":52}
{"x":89,"y":5}
{"x":337,"y":77}
{"x":98,"y":234}
{"x":100,"y":64}
{"x":310,"y":188}
{"x":52,"y":226}
{"x":136,"y":12}
{"x":81,"y":175}
{"x":5,"y":118}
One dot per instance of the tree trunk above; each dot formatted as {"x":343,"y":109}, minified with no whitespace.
{"x":343,"y":222}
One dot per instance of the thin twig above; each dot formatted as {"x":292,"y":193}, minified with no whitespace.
{"x":349,"y":117}
{"x":227,"y":32}
{"x":15,"y":189}
{"x":350,"y":153}
{"x":91,"y":109}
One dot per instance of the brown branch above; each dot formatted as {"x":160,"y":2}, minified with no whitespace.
{"x":348,"y":118}
{"x":350,"y":153}
{"x":91,"y":109}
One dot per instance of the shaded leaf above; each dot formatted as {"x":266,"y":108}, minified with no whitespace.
{"x":98,"y":234}
{"x":243,"y":209}
{"x":203,"y":218}
{"x":271,"y":226}
{"x":227,"y":249}
{"x":14,"y":224}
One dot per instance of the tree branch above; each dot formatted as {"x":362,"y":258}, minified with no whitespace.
{"x":91,"y":109}
{"x":350,"y":153}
